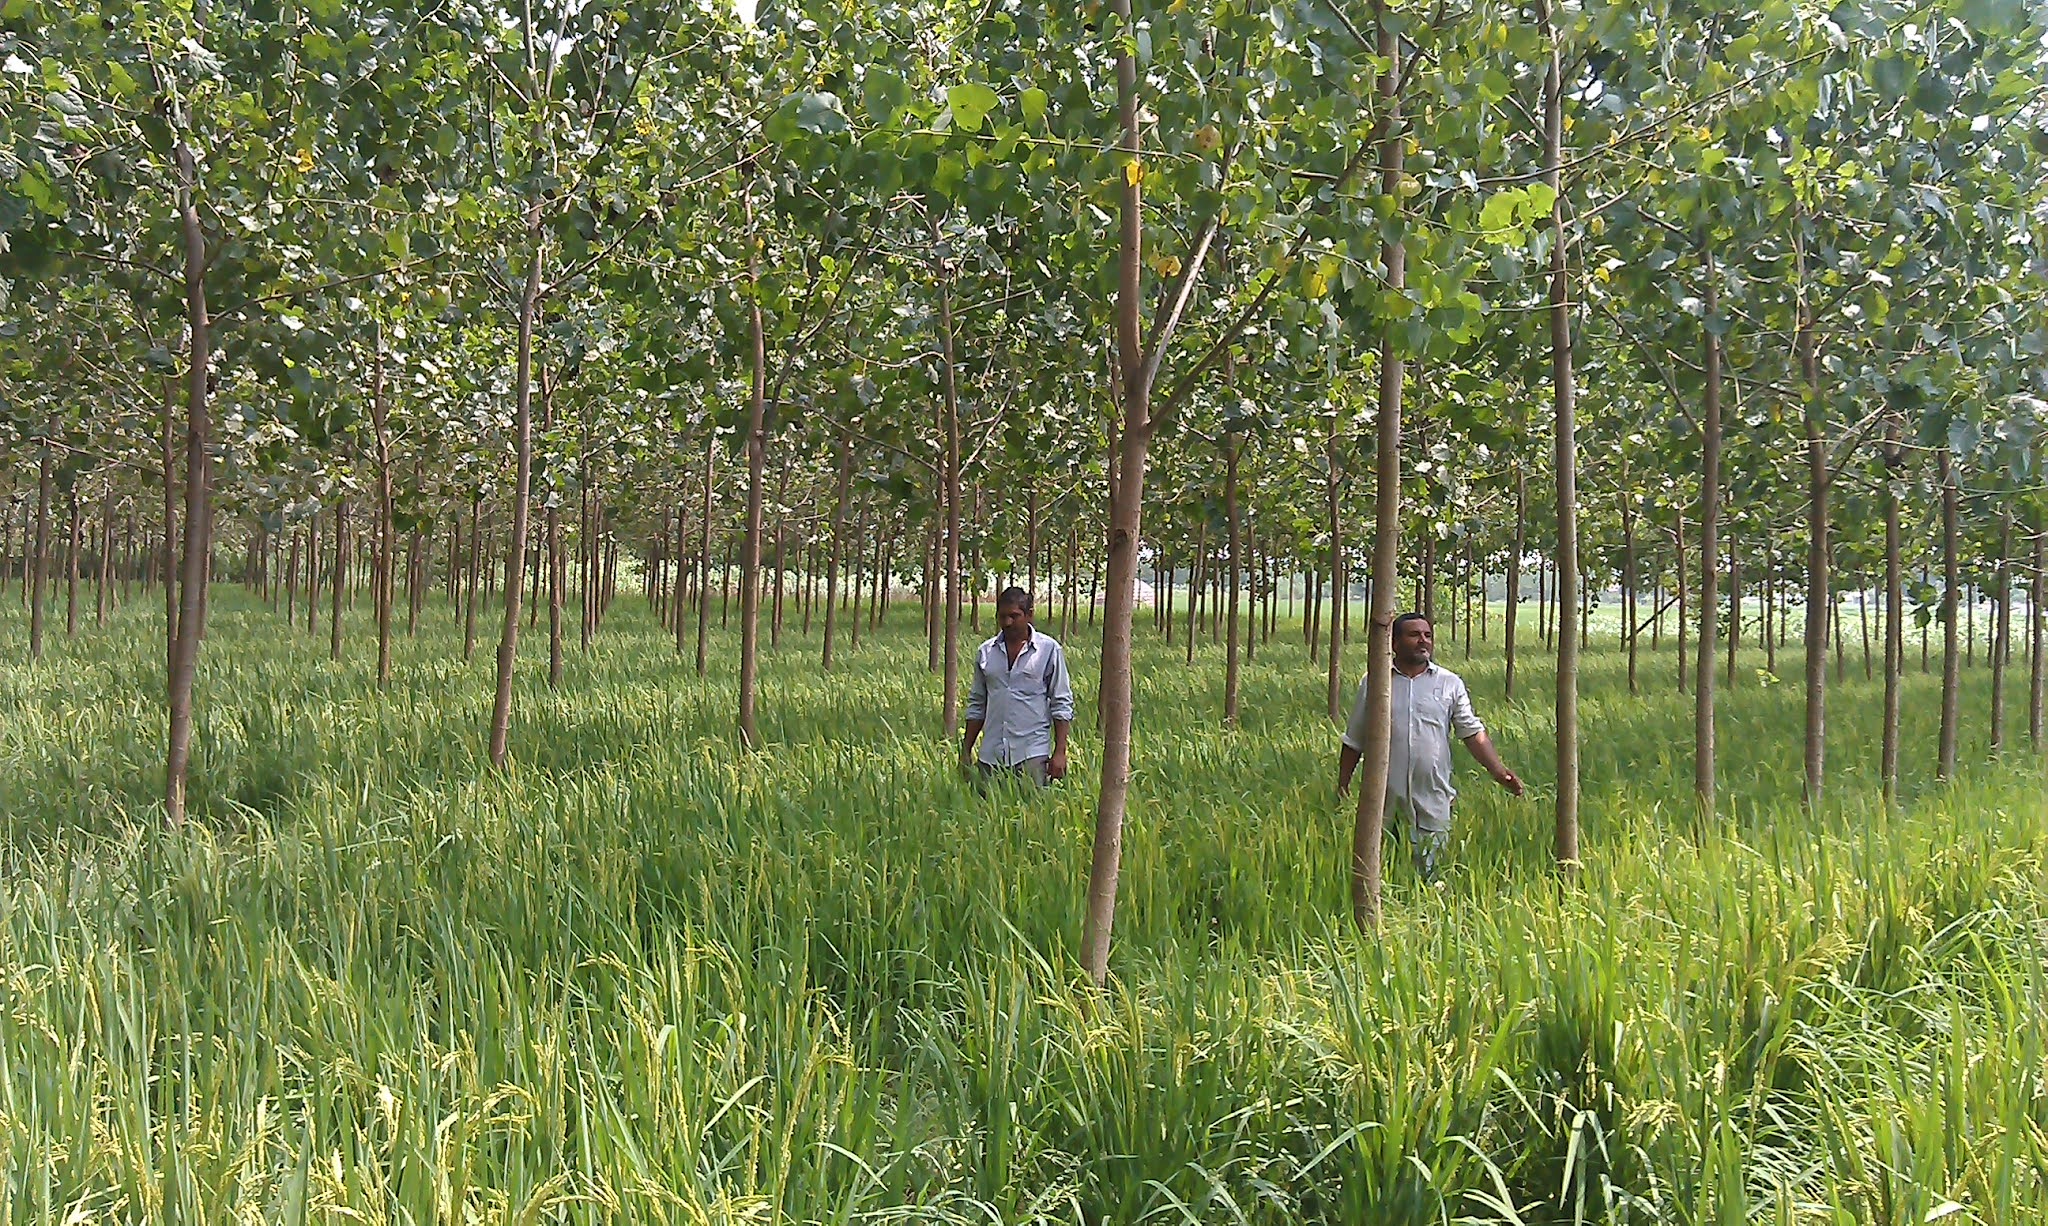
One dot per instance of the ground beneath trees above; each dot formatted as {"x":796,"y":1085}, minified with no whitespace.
{"x":645,"y":978}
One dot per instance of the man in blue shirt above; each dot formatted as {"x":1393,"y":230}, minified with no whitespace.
{"x":1021,"y":702}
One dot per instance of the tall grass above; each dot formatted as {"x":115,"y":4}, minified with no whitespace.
{"x":646,"y":978}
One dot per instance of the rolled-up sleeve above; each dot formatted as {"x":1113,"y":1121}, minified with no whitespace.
{"x":977,"y":691}
{"x":1464,"y":723}
{"x":1059,"y":688}
{"x":1354,"y":730}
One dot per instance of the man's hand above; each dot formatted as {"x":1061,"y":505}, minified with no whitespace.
{"x":1507,"y":779}
{"x":1056,"y":765}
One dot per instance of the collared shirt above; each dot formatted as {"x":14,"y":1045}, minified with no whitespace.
{"x":1019,"y":700}
{"x":1429,"y":709}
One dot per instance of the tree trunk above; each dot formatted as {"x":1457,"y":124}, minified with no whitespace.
{"x":1819,"y":557}
{"x":1710,"y":558}
{"x":1894,"y":619}
{"x":1339,"y":595}
{"x":198,"y":493}
{"x":338,"y":581}
{"x":1566,"y":461}
{"x":522,"y":501}
{"x":2001,"y":633}
{"x":1198,"y":580}
{"x":757,"y":456}
{"x":1375,"y":756}
{"x":1629,"y":607}
{"x":704,"y":558}
{"x":1509,"y":618}
{"x":832,"y":556}
{"x":39,"y":560}
{"x":1951,"y":565}
{"x":1126,"y":507}
{"x":1231,"y":667}
{"x":2037,"y":629}
{"x":387,"y":529}
{"x":472,"y":577}
{"x":73,"y":546}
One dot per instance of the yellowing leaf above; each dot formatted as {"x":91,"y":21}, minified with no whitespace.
{"x":1134,"y":173}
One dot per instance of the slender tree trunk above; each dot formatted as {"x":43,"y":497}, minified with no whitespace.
{"x":1375,"y":756}
{"x":832,"y":556}
{"x":750,"y":560}
{"x":39,"y":560}
{"x":472,"y":579}
{"x":1629,"y":608}
{"x":704,"y":559}
{"x":74,"y":545}
{"x":1198,"y":580}
{"x":338,"y":582}
{"x":1710,"y":559}
{"x":1894,"y":619}
{"x":2037,"y":631}
{"x":522,"y":499}
{"x":1735,"y":604}
{"x":1126,"y":507}
{"x":1232,"y":670}
{"x":1339,"y":596}
{"x":2001,"y":633}
{"x":557,"y":560}
{"x":102,"y":579}
{"x":387,"y":528}
{"x":1566,"y":462}
{"x":1819,"y":557}
{"x":1950,"y":628}
{"x":1509,"y":618}
{"x":198,"y":492}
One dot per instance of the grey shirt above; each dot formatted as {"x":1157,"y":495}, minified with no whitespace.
{"x":1429,"y":710}
{"x":1020,"y":700}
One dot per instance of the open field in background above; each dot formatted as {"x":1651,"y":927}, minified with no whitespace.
{"x":646,"y":978}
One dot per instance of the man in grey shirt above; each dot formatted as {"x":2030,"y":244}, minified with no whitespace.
{"x":1020,"y":703}
{"x":1431,"y":705}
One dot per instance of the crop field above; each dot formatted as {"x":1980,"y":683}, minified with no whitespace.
{"x":646,"y":977}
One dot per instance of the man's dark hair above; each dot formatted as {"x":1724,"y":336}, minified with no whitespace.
{"x":1404,"y":619}
{"x":1013,"y":598}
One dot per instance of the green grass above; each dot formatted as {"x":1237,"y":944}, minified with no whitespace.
{"x":646,"y":978}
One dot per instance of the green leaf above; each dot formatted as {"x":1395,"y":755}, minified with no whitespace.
{"x":819,"y":112}
{"x":971,"y":102}
{"x":1032,"y":102}
{"x":884,"y":94}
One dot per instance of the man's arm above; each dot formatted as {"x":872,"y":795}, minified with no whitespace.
{"x":1060,"y":695}
{"x":1482,"y":748}
{"x":976,"y":713}
{"x":1354,"y":742}
{"x":1473,"y":733}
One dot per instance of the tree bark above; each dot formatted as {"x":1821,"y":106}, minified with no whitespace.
{"x":339,"y":580}
{"x":1710,"y":558}
{"x":1819,"y":557}
{"x":1510,"y":617}
{"x":1566,"y":461}
{"x":1951,"y":564}
{"x":522,"y":499}
{"x":1231,"y":668}
{"x":39,"y":559}
{"x":198,"y":492}
{"x":704,"y":558}
{"x":2001,"y":632}
{"x":1339,"y":595}
{"x":2037,"y":623}
{"x":949,"y":480}
{"x":832,"y":557}
{"x":1375,"y":756}
{"x":1894,"y":619}
{"x":757,"y":455}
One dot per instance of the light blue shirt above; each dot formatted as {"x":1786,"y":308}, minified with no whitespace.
{"x":1019,"y":701}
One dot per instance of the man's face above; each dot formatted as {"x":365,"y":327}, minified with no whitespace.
{"x":1415,"y":643}
{"x":1015,"y":621}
